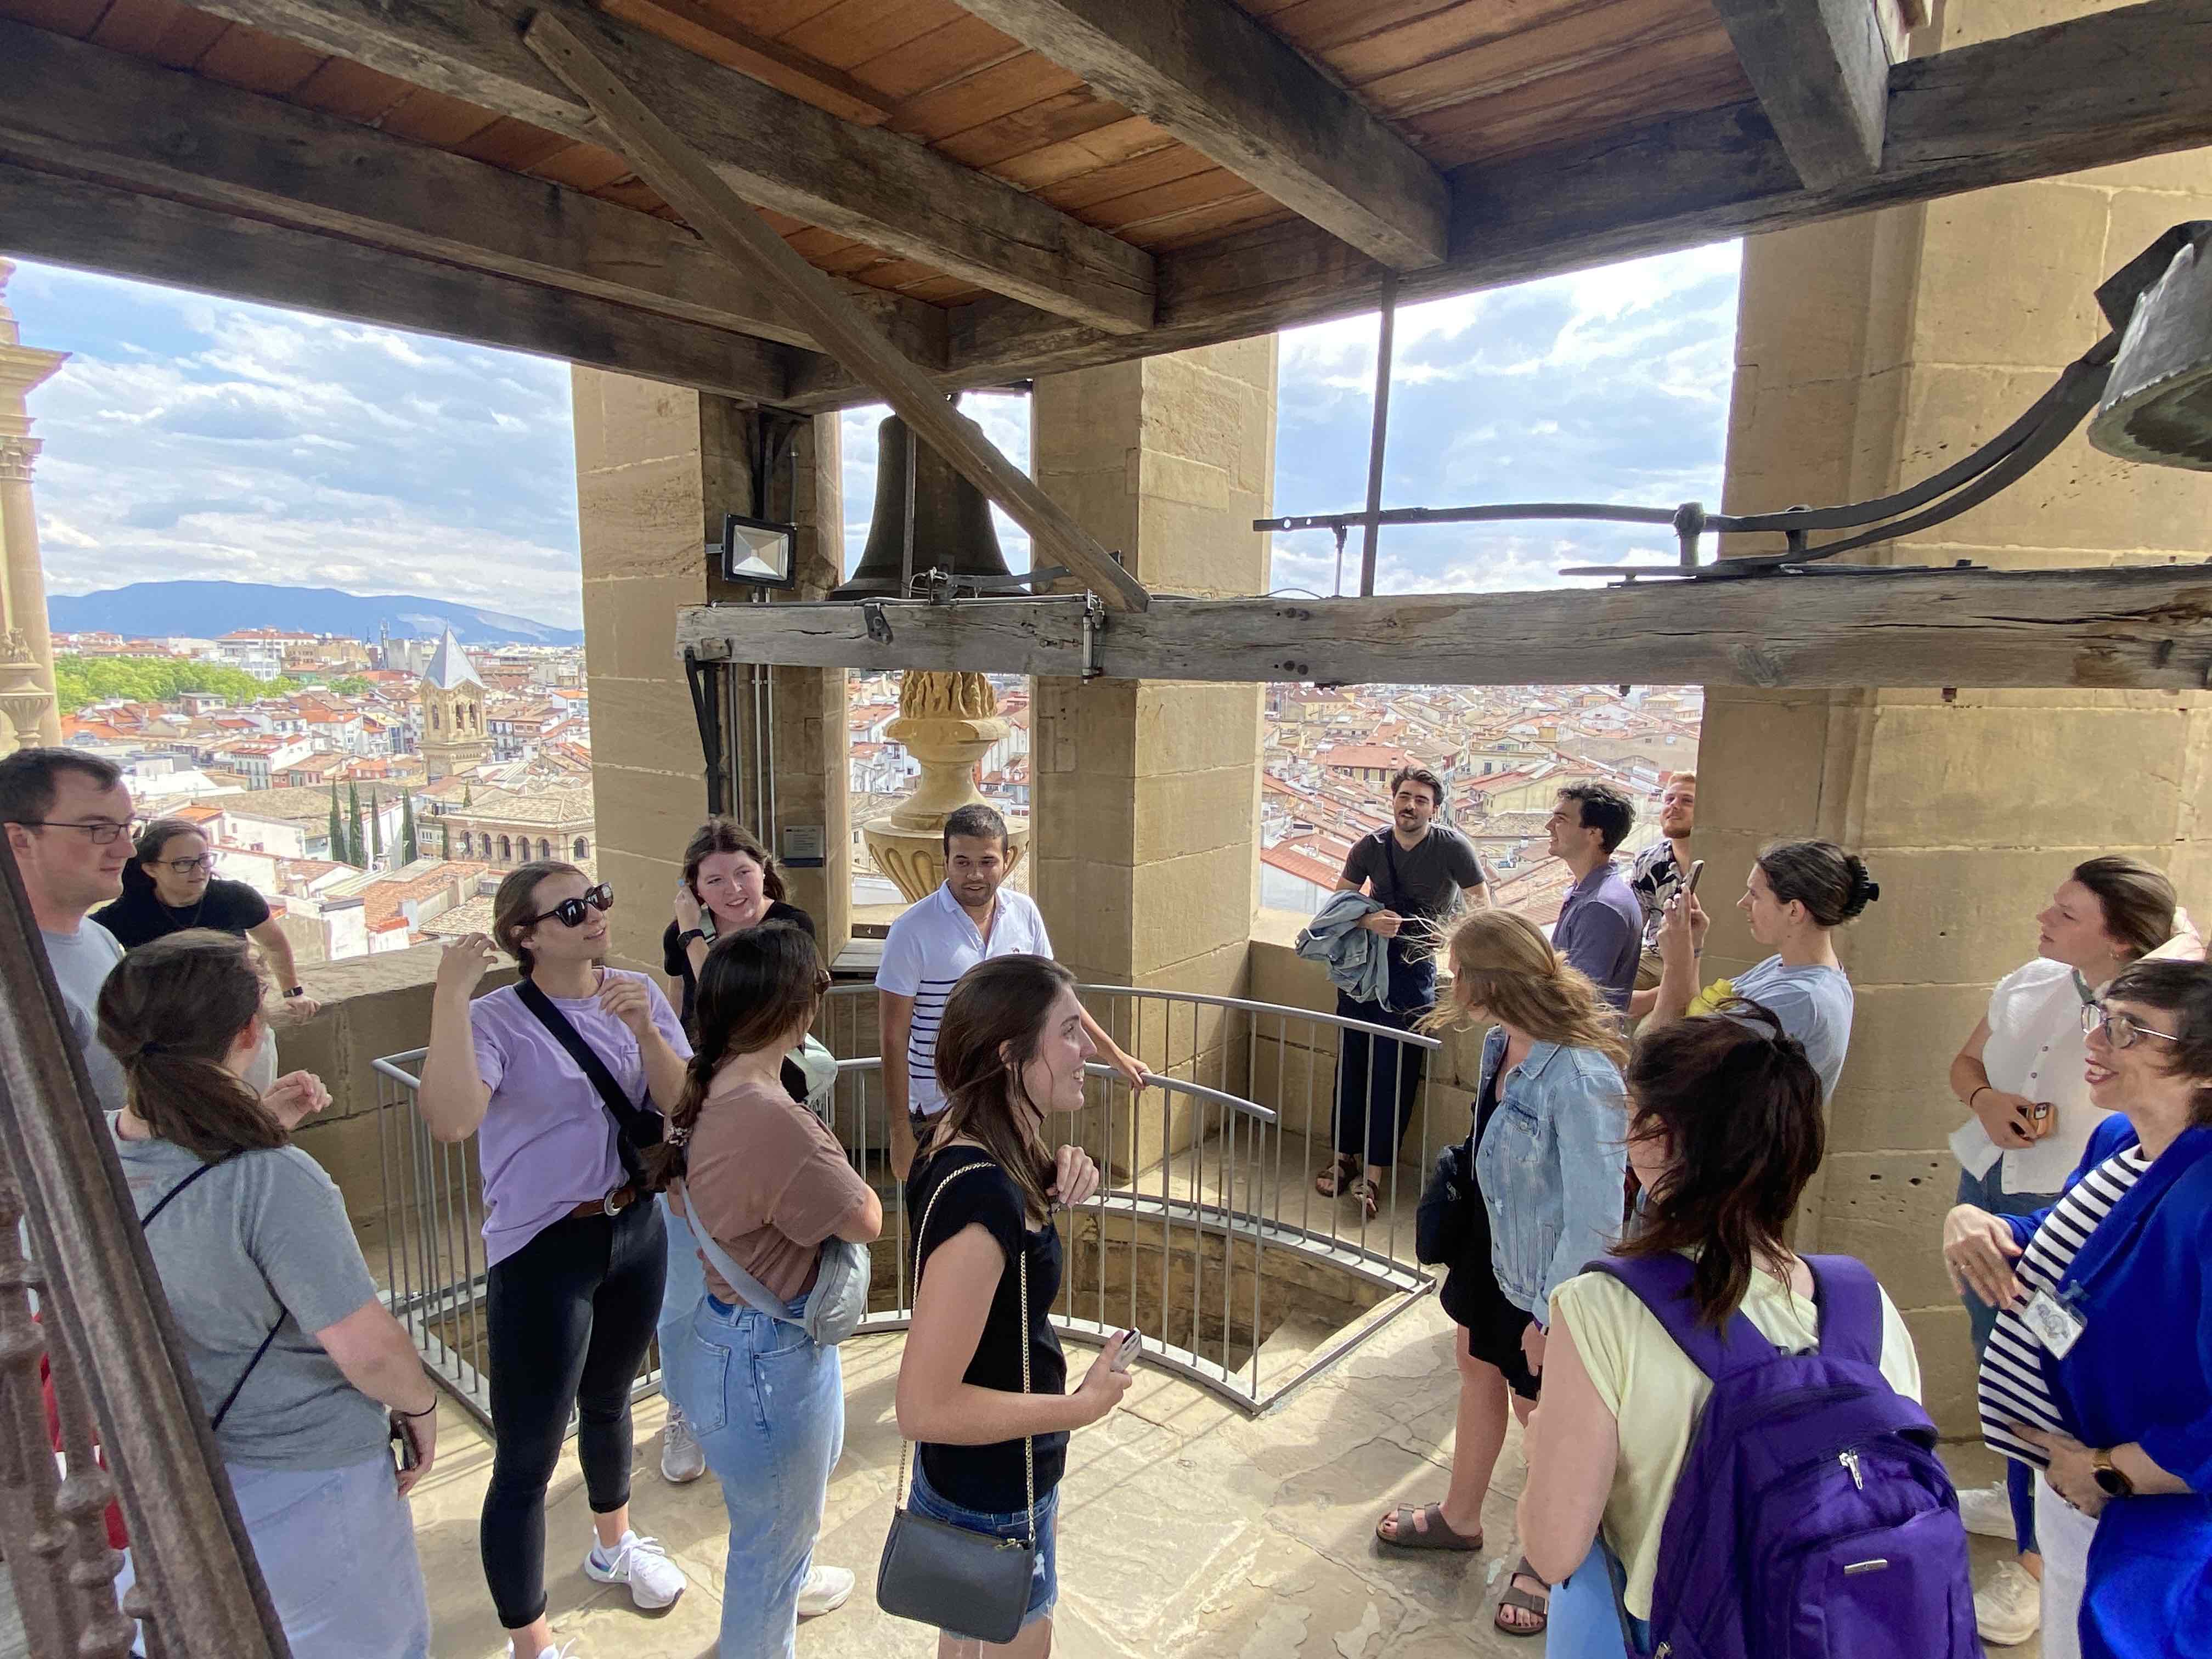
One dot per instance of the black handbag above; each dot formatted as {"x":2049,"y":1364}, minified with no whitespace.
{"x":1440,"y":1224}
{"x":636,"y":1125}
{"x":937,"y":1574}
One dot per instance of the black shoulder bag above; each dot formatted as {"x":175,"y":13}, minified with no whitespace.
{"x":637,"y":1126}
{"x":146,"y":1220}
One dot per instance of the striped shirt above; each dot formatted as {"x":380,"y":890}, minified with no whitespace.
{"x":928,"y":948}
{"x":2012,"y":1389}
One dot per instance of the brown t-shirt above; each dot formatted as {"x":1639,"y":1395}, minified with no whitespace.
{"x":770,"y":1182}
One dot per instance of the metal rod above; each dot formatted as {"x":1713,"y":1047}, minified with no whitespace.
{"x":1378,"y":439}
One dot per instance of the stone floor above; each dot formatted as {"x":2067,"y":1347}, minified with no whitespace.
{"x":1186,"y":1529}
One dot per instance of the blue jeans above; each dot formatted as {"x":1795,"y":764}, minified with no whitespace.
{"x":1987,"y":1193}
{"x":687,"y":1283}
{"x":1045,"y":1583}
{"x":768,"y":1404}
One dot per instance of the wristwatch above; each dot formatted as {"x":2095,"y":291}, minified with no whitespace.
{"x":684,"y":939}
{"x":297,"y":991}
{"x":2110,"y":1479}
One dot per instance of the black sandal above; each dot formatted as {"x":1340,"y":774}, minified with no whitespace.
{"x":1335,"y":1178}
{"x":1438,"y":1534}
{"x":1521,"y":1601}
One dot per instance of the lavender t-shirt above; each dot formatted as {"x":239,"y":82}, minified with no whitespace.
{"x":547,"y":1144}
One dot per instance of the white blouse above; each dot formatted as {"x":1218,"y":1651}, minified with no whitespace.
{"x":2036,"y":1049}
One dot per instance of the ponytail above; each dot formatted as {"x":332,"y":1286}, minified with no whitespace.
{"x":171,"y":1012}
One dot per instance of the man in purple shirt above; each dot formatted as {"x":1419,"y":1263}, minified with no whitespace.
{"x":1601,"y":927}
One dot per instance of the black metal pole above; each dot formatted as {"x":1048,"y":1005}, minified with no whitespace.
{"x":1379,"y":438}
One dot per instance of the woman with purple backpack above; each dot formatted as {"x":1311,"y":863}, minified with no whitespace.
{"x":1662,"y":1502}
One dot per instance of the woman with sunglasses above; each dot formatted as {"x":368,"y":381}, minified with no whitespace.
{"x":572,"y":1243}
{"x":2099,"y":1374}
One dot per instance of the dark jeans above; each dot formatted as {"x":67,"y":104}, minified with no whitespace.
{"x":571,"y":1315}
{"x":1988,"y":1193}
{"x":1376,"y":1078}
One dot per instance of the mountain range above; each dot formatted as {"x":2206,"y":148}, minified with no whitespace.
{"x":209,"y":610}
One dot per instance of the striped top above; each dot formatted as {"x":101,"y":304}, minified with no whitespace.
{"x":928,"y":948}
{"x":2012,"y":1388}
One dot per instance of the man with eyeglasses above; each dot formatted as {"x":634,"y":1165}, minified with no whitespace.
{"x":69,"y":821}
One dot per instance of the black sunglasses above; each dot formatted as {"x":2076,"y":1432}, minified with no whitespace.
{"x":569,"y":911}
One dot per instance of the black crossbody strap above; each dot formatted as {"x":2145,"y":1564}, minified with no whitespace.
{"x":230,"y":1398}
{"x":162,"y":1203}
{"x":630,"y":1133}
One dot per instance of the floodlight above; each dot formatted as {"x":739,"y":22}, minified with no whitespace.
{"x":757,"y":553}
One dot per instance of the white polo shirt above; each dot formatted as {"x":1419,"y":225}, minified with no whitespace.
{"x":927,"y":949}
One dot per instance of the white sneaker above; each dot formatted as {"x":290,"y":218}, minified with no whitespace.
{"x":2009,"y":1607}
{"x":824,"y":1591}
{"x":682,"y":1458}
{"x":1987,"y":1511}
{"x":654,"y":1581}
{"x":561,"y":1652}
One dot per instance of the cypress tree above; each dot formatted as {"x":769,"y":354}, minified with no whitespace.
{"x":375,"y":824}
{"x":337,"y":852}
{"x":357,"y":848}
{"x":410,"y":847}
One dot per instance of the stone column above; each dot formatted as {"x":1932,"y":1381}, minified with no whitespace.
{"x":1871,"y":352}
{"x":1144,"y":804}
{"x":657,"y":467}
{"x":27,"y":656}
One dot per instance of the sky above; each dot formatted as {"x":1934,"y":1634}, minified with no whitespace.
{"x":190,"y":437}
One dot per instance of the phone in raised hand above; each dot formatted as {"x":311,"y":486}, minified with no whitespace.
{"x":1697,"y":869}
{"x":1133,"y":1343}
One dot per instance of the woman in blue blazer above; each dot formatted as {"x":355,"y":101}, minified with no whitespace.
{"x":2101,"y":1368}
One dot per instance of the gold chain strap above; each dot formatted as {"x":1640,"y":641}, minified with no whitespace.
{"x":1022,"y":1269}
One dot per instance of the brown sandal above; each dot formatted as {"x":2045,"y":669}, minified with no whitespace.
{"x":1437,"y":1534}
{"x":1521,"y":1601}
{"x":1371,"y":1198}
{"x":1335,"y":1178}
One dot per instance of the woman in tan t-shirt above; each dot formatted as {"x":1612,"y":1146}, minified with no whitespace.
{"x":766,"y":1180}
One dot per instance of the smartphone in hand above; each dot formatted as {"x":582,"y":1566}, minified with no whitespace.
{"x":1133,"y":1343}
{"x":1697,"y":869}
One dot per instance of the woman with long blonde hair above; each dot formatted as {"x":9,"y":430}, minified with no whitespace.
{"x":1548,"y":1156}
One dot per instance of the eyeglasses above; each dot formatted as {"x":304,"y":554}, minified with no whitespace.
{"x":2121,"y":1030}
{"x":101,"y":832}
{"x":185,"y":866}
{"x":569,"y":911}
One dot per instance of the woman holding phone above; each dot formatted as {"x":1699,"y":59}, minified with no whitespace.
{"x":1010,"y":1052}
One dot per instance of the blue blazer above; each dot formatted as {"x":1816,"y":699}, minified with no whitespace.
{"x":2142,"y":1372}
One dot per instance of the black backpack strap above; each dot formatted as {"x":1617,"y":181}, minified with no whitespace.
{"x":635,"y":1126}
{"x":230,"y":1398}
{"x":162,"y":1203}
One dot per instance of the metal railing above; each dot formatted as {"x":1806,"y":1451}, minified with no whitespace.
{"x":1206,"y":1233}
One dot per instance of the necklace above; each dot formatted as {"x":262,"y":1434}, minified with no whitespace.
{"x":193,"y":920}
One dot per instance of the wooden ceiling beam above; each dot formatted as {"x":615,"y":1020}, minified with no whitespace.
{"x":1238,"y":94}
{"x":97,"y":226}
{"x":76,"y":108}
{"x":739,"y":235}
{"x":2141,"y":628}
{"x":1821,"y":70}
{"x":775,"y":151}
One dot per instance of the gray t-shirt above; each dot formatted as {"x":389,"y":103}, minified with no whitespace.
{"x":260,"y":1238}
{"x":1421,"y":883}
{"x":1814,"y":1004}
{"x":81,"y":962}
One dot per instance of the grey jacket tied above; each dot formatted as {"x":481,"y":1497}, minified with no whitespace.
{"x":1358,"y":961}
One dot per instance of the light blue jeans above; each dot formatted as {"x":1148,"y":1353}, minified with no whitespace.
{"x":768,"y":1404}
{"x":687,"y":1283}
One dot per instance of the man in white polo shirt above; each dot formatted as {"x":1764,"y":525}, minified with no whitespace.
{"x":937,"y":940}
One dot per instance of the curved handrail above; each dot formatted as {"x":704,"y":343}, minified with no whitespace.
{"x":1251,"y":1108}
{"x":1245,"y":1004}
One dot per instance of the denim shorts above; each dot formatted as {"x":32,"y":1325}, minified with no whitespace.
{"x":1044,"y":1583}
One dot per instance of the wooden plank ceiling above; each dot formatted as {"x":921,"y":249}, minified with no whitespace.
{"x":1463,"y":81}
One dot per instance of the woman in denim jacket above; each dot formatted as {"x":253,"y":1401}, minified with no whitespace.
{"x":1550,"y":1161}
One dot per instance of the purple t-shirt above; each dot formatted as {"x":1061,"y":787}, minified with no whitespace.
{"x":547,"y":1144}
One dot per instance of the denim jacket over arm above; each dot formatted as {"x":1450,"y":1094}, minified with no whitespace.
{"x":1552,"y":1167}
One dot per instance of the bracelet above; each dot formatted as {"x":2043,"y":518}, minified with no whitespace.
{"x":1976,"y":1095}
{"x":426,"y":1411}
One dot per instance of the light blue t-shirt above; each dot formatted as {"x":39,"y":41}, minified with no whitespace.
{"x":1814,"y":1004}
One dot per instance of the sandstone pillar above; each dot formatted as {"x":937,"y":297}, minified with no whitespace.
{"x":27,"y":656}
{"x":657,"y":467}
{"x":1144,"y":806}
{"x":1870,"y":353}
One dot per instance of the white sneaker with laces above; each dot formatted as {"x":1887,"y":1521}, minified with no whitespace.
{"x":654,"y":1581}
{"x":1987,"y":1511}
{"x":682,"y":1459}
{"x":2009,"y":1607}
{"x":824,"y":1591}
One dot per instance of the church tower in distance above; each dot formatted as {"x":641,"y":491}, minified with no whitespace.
{"x":453,"y":696}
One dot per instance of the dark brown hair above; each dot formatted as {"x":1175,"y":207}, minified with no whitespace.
{"x":514,"y":907}
{"x":1420,"y":774}
{"x":1001,"y":1003}
{"x":1603,"y":808}
{"x":727,"y":836}
{"x":1832,"y":885}
{"x":27,"y":779}
{"x":2183,"y":989}
{"x":171,"y":1011}
{"x":2138,"y":902}
{"x":148,"y":848}
{"x":1739,"y":1106}
{"x":975,"y":822}
{"x":756,"y":987}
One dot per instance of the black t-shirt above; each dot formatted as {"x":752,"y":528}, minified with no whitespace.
{"x":140,"y":918}
{"x":676,"y":960}
{"x":991,"y":1478}
{"x":1421,"y":882}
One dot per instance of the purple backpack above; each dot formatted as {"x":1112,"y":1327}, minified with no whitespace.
{"x":1812,"y":1519}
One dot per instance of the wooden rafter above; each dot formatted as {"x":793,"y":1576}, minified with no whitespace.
{"x":1235,"y":92}
{"x":2144,"y":627}
{"x":740,"y":235}
{"x":1821,"y":70}
{"x":776,"y":150}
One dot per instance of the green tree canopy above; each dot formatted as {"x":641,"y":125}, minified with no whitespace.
{"x":79,"y":681}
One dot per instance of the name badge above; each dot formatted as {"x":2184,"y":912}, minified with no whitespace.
{"x":2056,"y":1326}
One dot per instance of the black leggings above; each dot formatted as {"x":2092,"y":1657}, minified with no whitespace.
{"x":571,"y":1314}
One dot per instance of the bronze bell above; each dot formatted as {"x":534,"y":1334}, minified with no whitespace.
{"x":951,"y":520}
{"x":2158,"y":404}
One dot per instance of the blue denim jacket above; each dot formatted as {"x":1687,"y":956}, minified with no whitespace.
{"x":1552,"y":1168}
